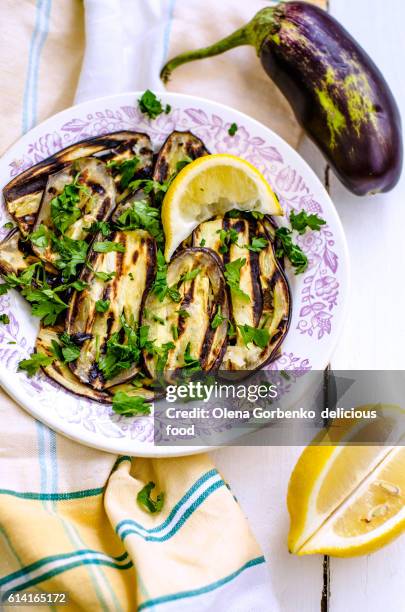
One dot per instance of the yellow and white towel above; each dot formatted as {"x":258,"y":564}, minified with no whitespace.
{"x":69,"y":520}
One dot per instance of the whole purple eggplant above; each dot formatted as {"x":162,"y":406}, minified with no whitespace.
{"x":338,"y":94}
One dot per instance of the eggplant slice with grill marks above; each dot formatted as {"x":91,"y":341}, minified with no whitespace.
{"x":261,"y":279}
{"x":187,"y":323}
{"x":178,"y":147}
{"x":14,"y":258}
{"x":23,"y":194}
{"x":124,"y":295}
{"x":97,"y":201}
{"x":63,"y":375}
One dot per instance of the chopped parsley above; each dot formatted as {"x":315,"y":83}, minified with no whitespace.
{"x":107,"y":247}
{"x":188,"y":276}
{"x":233,"y":129}
{"x":175,"y":332}
{"x":249,"y":334}
{"x":104,"y":276}
{"x":126,"y":168}
{"x":150,"y":105}
{"x":102,"y":305}
{"x":287,"y":247}
{"x":232,"y":275}
{"x":142,"y":216}
{"x":9,"y":225}
{"x":130,"y":405}
{"x":202,"y":242}
{"x":257,"y":244}
{"x":66,"y":350}
{"x":227,"y":237}
{"x":160,"y":286}
{"x":218,"y":319}
{"x":191,"y":364}
{"x":122,"y":351}
{"x":34,"y":363}
{"x":5,"y":319}
{"x":145,"y":500}
{"x":41,"y":237}
{"x":183,"y":313}
{"x":100,"y":226}
{"x":65,"y":209}
{"x":301,"y":221}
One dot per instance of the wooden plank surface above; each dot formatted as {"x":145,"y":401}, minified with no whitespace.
{"x":374,"y":229}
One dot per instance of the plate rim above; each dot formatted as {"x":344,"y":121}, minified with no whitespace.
{"x":148,"y":450}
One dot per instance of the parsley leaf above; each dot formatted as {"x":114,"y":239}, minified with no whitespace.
{"x":183,"y":313}
{"x":257,"y":244}
{"x":9,"y":225}
{"x":35,"y":361}
{"x":104,"y":276}
{"x":146,"y":502}
{"x":107,"y":247}
{"x":218,"y":319}
{"x":249,"y":334}
{"x":4,"y":288}
{"x":202,"y":242}
{"x":65,"y":208}
{"x":191,"y":364}
{"x":227,"y":237}
{"x":126,"y":168}
{"x":232,"y":275}
{"x":130,"y":405}
{"x":40,"y":237}
{"x":142,"y":216}
{"x":102,"y":305}
{"x":160,"y":286}
{"x":233,"y":129}
{"x":67,"y":351}
{"x":121,"y":352}
{"x":188,"y":276}
{"x":4,"y":319}
{"x":150,"y":105}
{"x":291,"y":250}
{"x":301,"y":221}
{"x":175,"y":331}
{"x":100,"y":226}
{"x":162,"y":353}
{"x":72,"y":253}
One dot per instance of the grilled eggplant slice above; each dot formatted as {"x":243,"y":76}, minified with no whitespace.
{"x":187,"y":323}
{"x":23,"y":194}
{"x":63,"y":375}
{"x":134,"y":272}
{"x":97,"y":201}
{"x":262,"y":279}
{"x":14,"y":259}
{"x":178,"y":147}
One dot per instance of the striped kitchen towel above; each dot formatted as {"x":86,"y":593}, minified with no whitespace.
{"x":69,"y":519}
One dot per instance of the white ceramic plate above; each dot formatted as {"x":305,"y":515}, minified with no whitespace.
{"x":318,"y":296}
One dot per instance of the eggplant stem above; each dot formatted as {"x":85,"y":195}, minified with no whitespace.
{"x":236,"y":39}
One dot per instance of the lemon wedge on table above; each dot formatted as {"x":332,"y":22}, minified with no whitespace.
{"x":212,"y":185}
{"x":349,"y":499}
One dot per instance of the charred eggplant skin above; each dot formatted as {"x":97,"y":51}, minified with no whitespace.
{"x":337,"y":93}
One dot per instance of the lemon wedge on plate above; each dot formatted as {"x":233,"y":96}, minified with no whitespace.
{"x":349,"y":499}
{"x":212,"y":185}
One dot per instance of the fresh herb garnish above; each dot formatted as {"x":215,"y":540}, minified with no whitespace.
{"x":146,"y":502}
{"x":232,"y":275}
{"x":122,"y":351}
{"x":183,"y":313}
{"x":301,"y":221}
{"x":5,"y":319}
{"x":142,"y":216}
{"x":291,"y":250}
{"x":182,"y":164}
{"x":126,"y":168}
{"x":227,"y":237}
{"x":150,"y":105}
{"x":9,"y":225}
{"x":102,"y":305}
{"x":160,"y":286}
{"x":66,"y":351}
{"x":188,"y":276}
{"x":257,"y":244}
{"x":150,"y":315}
{"x":100,"y":226}
{"x":231,"y":330}
{"x":175,"y":331}
{"x":218,"y":319}
{"x":233,"y":129}
{"x":107,"y":247}
{"x":72,"y":253}
{"x":191,"y":364}
{"x":41,"y":237}
{"x":104,"y":276}
{"x":202,"y":242}
{"x":130,"y":405}
{"x":249,"y":334}
{"x":34,"y":363}
{"x":162,"y":353}
{"x":65,"y":208}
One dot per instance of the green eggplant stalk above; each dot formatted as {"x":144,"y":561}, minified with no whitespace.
{"x":337,"y":93}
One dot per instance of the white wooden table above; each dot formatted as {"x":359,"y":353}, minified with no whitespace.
{"x":373,"y":338}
